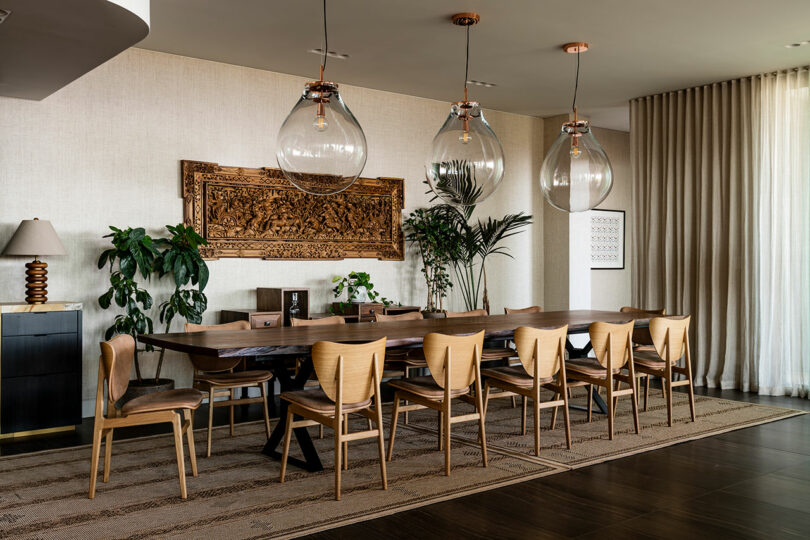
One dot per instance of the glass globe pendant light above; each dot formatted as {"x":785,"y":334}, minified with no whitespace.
{"x":321,"y":147}
{"x":576,"y":174}
{"x":465,"y":164}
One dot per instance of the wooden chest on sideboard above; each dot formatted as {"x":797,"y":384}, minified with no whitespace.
{"x":40,"y":368}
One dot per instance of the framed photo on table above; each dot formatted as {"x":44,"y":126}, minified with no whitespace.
{"x":607,"y":239}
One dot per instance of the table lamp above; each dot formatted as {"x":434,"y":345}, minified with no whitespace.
{"x":35,"y":237}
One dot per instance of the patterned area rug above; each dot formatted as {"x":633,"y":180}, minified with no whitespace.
{"x":237,"y":493}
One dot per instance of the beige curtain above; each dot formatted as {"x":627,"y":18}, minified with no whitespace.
{"x":694,"y":159}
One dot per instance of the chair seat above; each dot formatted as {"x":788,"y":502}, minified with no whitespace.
{"x":644,"y":348}
{"x":497,"y":353}
{"x":167,"y":400}
{"x":649,"y":360}
{"x":316,"y":400}
{"x":236,"y":378}
{"x":425,"y":387}
{"x":587,"y":366}
{"x":514,"y":375}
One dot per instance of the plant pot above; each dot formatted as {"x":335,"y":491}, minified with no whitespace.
{"x":359,"y":296}
{"x":147,"y":386}
{"x":434,"y":314}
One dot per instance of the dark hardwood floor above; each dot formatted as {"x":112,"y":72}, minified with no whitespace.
{"x":751,"y":483}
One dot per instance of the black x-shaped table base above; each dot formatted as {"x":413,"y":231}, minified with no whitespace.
{"x":279,"y":367}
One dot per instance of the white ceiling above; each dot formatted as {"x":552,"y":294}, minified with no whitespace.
{"x":638,"y":47}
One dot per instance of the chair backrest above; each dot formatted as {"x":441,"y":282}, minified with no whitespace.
{"x":357,"y":366}
{"x":617,"y":336}
{"x":670,"y":336}
{"x":464,"y":351}
{"x":117,"y":356}
{"x":545,"y":346}
{"x":214,"y":363}
{"x":641,"y":336}
{"x":325,"y":321}
{"x":530,"y":309}
{"x":409,"y":316}
{"x":472,"y":313}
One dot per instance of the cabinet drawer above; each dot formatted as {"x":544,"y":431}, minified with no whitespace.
{"x":40,"y":402}
{"x":48,"y":322}
{"x":265,"y":320}
{"x":35,"y":355}
{"x":368,"y":310}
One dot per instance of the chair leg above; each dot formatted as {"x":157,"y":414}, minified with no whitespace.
{"x":669,"y":401}
{"x":233,"y":396}
{"x":345,"y":443}
{"x":663,"y":387}
{"x":338,"y":457}
{"x":263,"y":390}
{"x":567,"y":418}
{"x":94,"y":461}
{"x":536,"y":411}
{"x":381,"y":443}
{"x":192,"y":452}
{"x":691,"y":397}
{"x":514,"y":402}
{"x":441,"y":430}
{"x":590,"y":401}
{"x":320,"y":431}
{"x":445,"y":417}
{"x":210,"y":420}
{"x":634,"y":398}
{"x":178,"y":446}
{"x":286,"y":449}
{"x":482,"y":434}
{"x":523,"y":416}
{"x":407,"y":374}
{"x":107,"y":455}
{"x":554,"y":413}
{"x":610,"y":408}
{"x":646,"y":393}
{"x":394,"y":415}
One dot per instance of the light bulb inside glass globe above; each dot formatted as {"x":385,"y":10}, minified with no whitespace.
{"x":328,"y":158}
{"x":466,"y":163}
{"x":576,"y":175}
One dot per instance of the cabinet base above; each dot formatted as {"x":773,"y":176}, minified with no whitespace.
{"x":18,"y":434}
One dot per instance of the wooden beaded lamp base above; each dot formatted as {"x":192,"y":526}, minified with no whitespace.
{"x":36,"y":286}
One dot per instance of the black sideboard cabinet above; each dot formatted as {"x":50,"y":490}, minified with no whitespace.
{"x":40,"y":368}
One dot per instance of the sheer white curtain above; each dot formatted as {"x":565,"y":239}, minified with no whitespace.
{"x":783,"y":225}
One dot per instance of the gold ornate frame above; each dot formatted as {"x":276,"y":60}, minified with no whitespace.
{"x":257,"y":213}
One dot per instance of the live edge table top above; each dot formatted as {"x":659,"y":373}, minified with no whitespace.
{"x":299,"y":339}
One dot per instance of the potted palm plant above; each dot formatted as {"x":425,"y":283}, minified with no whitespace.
{"x":472,"y":242}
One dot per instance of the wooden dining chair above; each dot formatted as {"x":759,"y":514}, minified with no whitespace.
{"x":642,"y":342}
{"x":216,"y":377}
{"x":349,"y":376}
{"x":455,"y":365}
{"x":114,"y":366}
{"x":324,"y":321}
{"x":542,"y":356}
{"x":530,"y":309}
{"x":613,"y":347}
{"x":670,"y":336}
{"x":403,"y":359}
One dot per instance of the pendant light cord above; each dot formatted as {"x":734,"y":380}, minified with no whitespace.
{"x":576,"y":85}
{"x":467,"y":63}
{"x":325,"y":41}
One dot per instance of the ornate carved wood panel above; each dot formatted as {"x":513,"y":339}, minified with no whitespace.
{"x":258,"y":213}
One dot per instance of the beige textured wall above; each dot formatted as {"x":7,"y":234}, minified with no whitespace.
{"x":555,"y":234}
{"x":610,"y":289}
{"x":106,"y":150}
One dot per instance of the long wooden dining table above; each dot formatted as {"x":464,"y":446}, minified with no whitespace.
{"x":277,"y":345}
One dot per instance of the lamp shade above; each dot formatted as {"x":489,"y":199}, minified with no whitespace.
{"x":35,"y":237}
